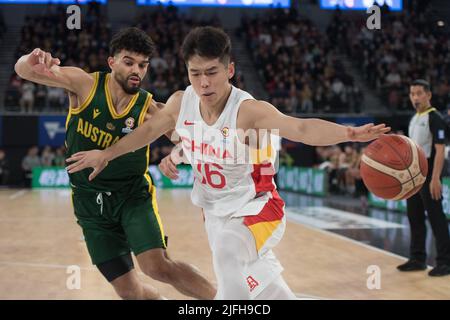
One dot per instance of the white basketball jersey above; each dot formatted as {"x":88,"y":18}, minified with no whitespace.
{"x":225,"y":179}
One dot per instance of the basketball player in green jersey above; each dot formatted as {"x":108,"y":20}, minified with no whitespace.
{"x":118,"y":212}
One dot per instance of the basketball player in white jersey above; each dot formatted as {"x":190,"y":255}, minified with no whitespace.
{"x":244,"y":215}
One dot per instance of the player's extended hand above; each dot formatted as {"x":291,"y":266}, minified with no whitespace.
{"x":168,"y":168}
{"x":42,"y":62}
{"x":168,"y":165}
{"x":435,"y":189}
{"x":366,"y":132}
{"x":95,"y":159}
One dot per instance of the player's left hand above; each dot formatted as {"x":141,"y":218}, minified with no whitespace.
{"x":435,"y":189}
{"x":95,"y":159}
{"x":366,"y":132}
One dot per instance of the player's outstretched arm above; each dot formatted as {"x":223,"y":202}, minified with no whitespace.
{"x":149,"y":131}
{"x":40,"y":67}
{"x":315,"y":132}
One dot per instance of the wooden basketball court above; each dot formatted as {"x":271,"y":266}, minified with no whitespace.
{"x":39,"y":239}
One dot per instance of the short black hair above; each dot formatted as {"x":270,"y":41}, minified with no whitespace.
{"x":207,"y":42}
{"x":423,"y":83}
{"x":132,"y":39}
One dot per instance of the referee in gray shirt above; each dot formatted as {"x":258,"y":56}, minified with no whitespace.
{"x":427,"y":129}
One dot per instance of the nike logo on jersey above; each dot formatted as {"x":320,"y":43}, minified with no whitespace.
{"x":96,"y":113}
{"x":188,"y":123}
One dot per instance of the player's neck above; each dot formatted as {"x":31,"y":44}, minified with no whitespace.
{"x":213,"y":112}
{"x":119,"y":97}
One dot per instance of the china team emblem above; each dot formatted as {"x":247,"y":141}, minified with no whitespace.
{"x":225,"y":131}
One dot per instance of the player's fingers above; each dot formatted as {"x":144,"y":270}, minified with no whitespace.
{"x":172,"y":165}
{"x":166,"y":170}
{"x":368,"y":126}
{"x":48,"y":57}
{"x":48,"y":60}
{"x":41,"y":57}
{"x":95,"y":173}
{"x":76,"y":155}
{"x":378,"y":127}
{"x":77,"y":166}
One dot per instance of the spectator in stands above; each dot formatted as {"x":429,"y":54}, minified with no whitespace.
{"x":285,"y":158}
{"x":40,"y":97}
{"x":87,"y":49}
{"x":60,"y":160}
{"x":13,"y":91}
{"x":47,"y":157}
{"x":30,"y":161}
{"x":56,"y":98}
{"x":329,"y":157}
{"x":306,"y":97}
{"x":412,"y":46}
{"x":4,"y":168}
{"x":347,"y":160}
{"x":27,"y":98}
{"x":281,"y":58}
{"x":354,"y":174}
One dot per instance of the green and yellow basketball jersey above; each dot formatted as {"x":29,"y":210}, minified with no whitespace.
{"x":96,"y":125}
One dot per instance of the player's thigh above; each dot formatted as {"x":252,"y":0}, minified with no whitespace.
{"x":105,"y":239}
{"x":142,"y":224}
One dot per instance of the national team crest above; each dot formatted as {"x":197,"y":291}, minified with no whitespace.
{"x":129,"y":124}
{"x":110,"y":126}
{"x":225,"y":131}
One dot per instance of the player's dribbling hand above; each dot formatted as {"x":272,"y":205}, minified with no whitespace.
{"x":88,"y":159}
{"x":366,"y":132}
{"x":42,"y":62}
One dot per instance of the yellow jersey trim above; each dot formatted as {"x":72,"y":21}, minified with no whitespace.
{"x":68,"y":118}
{"x":145,"y":109}
{"x":111,"y":108}
{"x":152,"y":191}
{"x":89,"y":98}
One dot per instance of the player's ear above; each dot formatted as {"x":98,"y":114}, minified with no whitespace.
{"x":231,"y":70}
{"x":111,"y":62}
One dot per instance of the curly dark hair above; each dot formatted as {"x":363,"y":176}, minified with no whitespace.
{"x":208,"y":42}
{"x":132,"y":39}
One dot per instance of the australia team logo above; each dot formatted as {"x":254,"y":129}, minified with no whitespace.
{"x":110,"y":126}
{"x":129,"y":124}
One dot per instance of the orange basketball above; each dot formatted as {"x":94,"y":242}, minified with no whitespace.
{"x":393,"y":167}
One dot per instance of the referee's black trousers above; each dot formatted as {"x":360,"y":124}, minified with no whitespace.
{"x":416,"y":206}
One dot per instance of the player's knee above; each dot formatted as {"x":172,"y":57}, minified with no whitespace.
{"x":230,"y":249}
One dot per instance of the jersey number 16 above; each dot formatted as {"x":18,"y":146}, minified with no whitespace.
{"x":208,"y":174}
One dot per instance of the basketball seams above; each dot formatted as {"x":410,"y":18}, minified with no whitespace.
{"x":394,"y":173}
{"x":407,"y":181}
{"x":413,"y":150}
